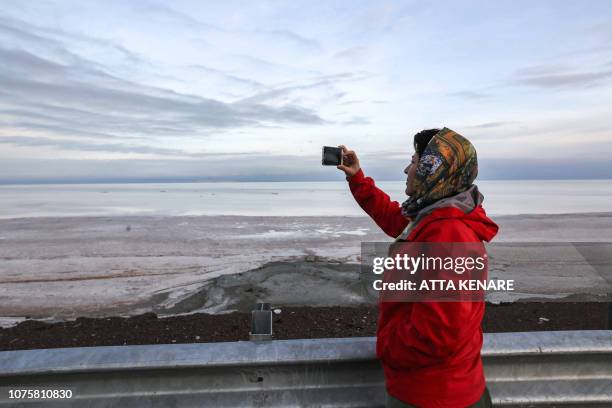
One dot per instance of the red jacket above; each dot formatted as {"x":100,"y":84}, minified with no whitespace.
{"x":430,"y":351}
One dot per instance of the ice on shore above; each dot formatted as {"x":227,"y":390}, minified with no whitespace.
{"x":67,"y":267}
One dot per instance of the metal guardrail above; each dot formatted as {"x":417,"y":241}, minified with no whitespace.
{"x":564,"y":368}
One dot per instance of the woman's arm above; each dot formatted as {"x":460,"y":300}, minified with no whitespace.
{"x":377,"y":204}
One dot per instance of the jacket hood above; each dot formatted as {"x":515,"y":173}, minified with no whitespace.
{"x":466,"y":206}
{"x":483,"y":226}
{"x":476,"y":220}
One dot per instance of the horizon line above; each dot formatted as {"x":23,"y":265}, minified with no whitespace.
{"x":233,"y":180}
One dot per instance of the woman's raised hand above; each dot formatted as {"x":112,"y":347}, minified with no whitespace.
{"x":350,"y":162}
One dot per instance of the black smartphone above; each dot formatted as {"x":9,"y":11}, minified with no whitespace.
{"x":332,"y":156}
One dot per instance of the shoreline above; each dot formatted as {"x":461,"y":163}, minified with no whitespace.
{"x":68,"y":267}
{"x":604,"y":214}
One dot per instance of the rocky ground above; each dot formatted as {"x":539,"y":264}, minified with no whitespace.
{"x":290,"y":323}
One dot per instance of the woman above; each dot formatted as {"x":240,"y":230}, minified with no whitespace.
{"x":430,"y":351}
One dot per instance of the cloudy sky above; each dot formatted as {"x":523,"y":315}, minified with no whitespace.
{"x":251,"y":90}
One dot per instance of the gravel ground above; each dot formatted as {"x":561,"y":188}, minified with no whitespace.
{"x":290,"y":323}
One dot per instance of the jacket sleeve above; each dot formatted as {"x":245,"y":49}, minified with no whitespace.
{"x":433,"y":331}
{"x":377,"y":204}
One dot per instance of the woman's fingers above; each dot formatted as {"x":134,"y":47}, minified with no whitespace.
{"x":350,"y":163}
{"x":349,"y":160}
{"x":346,"y":151}
{"x":349,"y":155}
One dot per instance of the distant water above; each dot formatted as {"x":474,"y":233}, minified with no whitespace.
{"x":281,"y":198}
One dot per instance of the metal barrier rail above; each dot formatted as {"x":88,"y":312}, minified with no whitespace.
{"x":563,"y":368}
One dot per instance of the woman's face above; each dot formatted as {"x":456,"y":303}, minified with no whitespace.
{"x":410,"y":171}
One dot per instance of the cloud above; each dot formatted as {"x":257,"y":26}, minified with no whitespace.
{"x":489,"y":125}
{"x":177,"y":81}
{"x":71,"y":144}
{"x":293,"y":37}
{"x":469,"y":95}
{"x":352,"y":54}
{"x":329,"y":82}
{"x":164,"y":12}
{"x":48,"y":90}
{"x":256,"y":167}
{"x":234,"y":167}
{"x":49,"y":41}
{"x":227,"y":76}
{"x":357,"y":120}
{"x":560,"y":77}
{"x":46,"y":82}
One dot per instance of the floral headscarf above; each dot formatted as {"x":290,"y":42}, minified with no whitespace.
{"x":447,"y":167}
